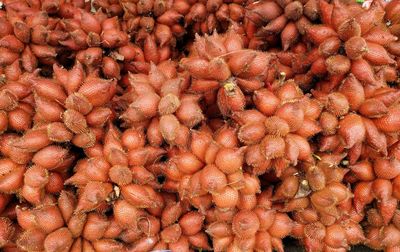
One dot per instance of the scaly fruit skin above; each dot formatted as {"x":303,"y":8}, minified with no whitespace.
{"x":184,"y":124}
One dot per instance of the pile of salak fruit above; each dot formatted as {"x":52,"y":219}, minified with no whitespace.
{"x":199,"y":125}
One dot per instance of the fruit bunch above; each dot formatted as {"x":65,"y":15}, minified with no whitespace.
{"x":186,"y":125}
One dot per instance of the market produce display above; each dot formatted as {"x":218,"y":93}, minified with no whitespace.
{"x":199,"y":125}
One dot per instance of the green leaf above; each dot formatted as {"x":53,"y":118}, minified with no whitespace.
{"x":359,"y":1}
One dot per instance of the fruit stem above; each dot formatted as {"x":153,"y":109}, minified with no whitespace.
{"x":316,"y":156}
{"x":229,"y":86}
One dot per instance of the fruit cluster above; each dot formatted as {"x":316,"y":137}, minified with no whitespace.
{"x":183,"y":125}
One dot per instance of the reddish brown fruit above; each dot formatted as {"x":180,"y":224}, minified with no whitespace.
{"x":338,"y":65}
{"x":212,"y":179}
{"x":245,"y":224}
{"x":191,"y":223}
{"x":229,"y":160}
{"x":226,"y":198}
{"x":352,"y":130}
